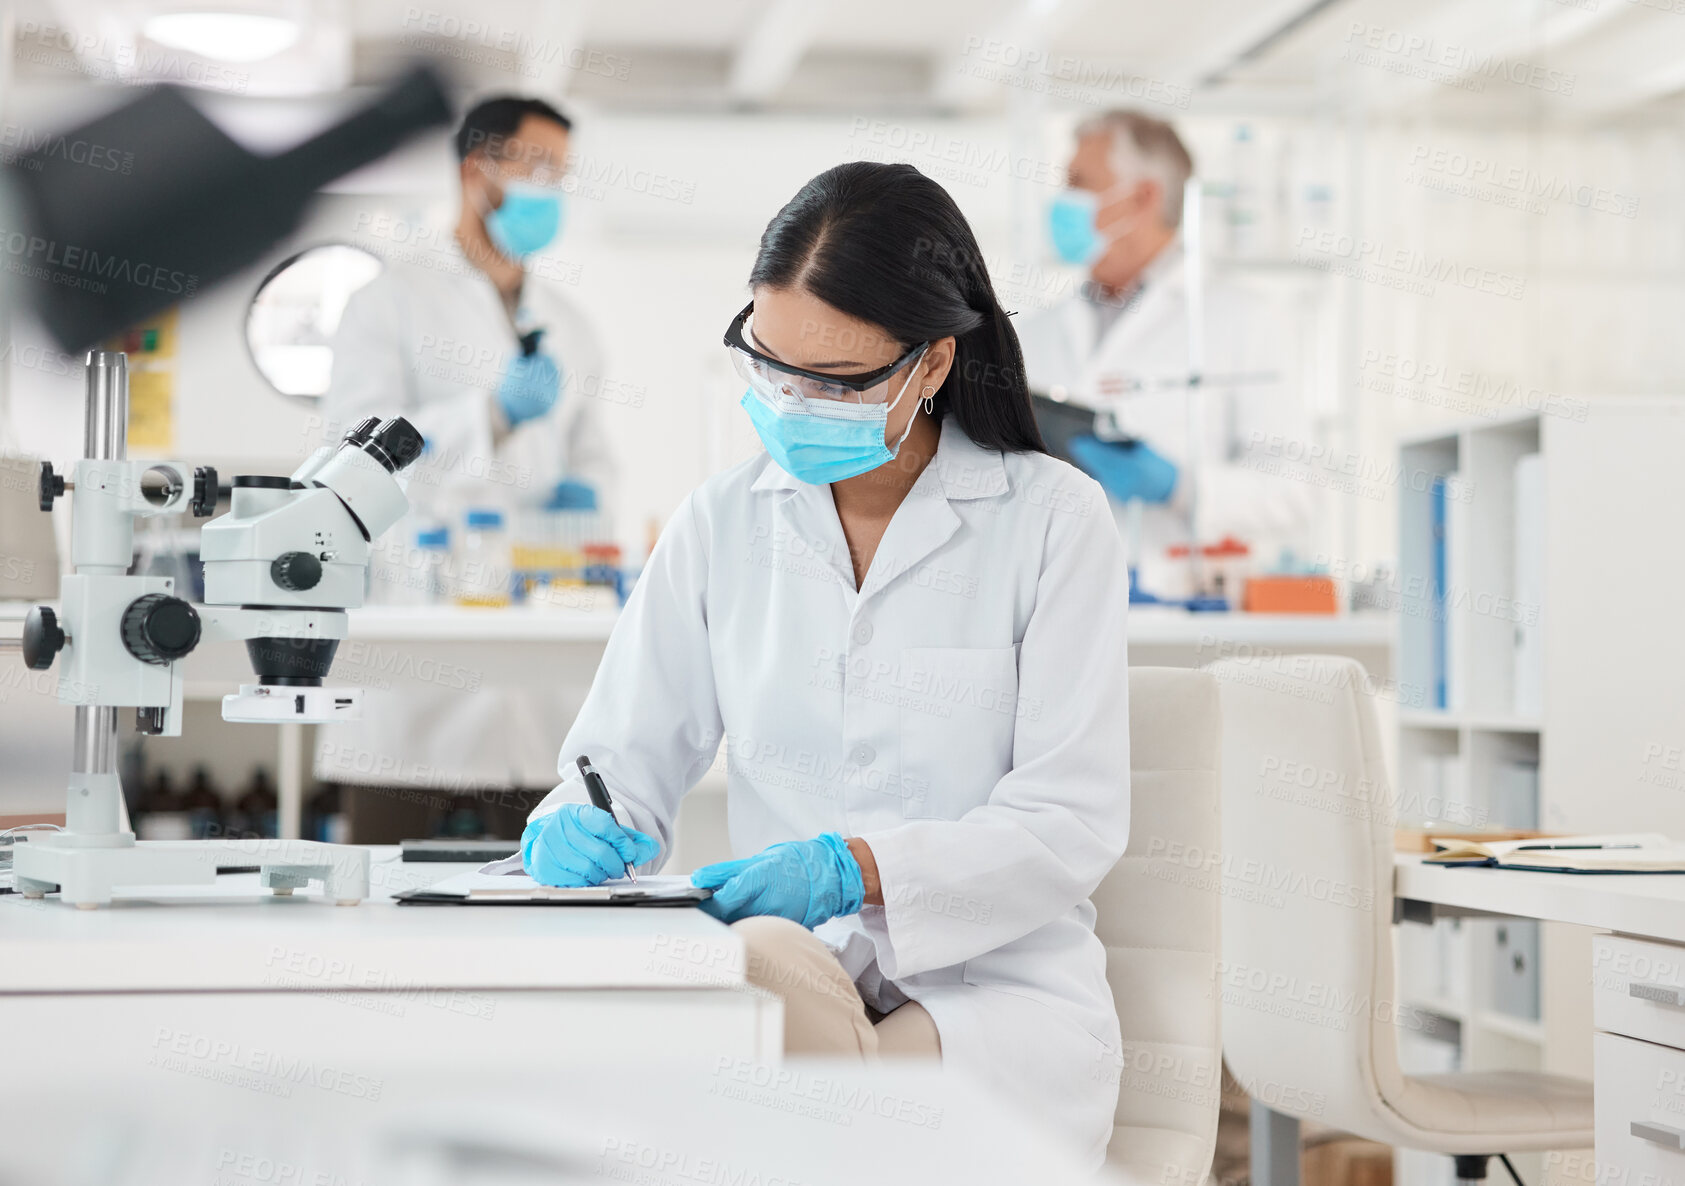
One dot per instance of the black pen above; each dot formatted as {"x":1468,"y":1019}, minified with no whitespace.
{"x":1572,"y":847}
{"x":598,"y":790}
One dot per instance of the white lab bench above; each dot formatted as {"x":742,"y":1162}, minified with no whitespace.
{"x":524,"y":646}
{"x":228,"y":982}
{"x":1638,"y":993}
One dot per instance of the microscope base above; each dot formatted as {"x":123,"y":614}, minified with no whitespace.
{"x":88,"y":877}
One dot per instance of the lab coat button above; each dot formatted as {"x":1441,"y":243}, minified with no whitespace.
{"x":862,"y":755}
{"x":862,"y":633}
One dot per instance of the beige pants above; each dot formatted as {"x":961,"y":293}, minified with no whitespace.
{"x":823,"y":1012}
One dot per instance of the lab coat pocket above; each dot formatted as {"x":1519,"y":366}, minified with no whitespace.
{"x":956,"y":727}
{"x":1096,"y":1021}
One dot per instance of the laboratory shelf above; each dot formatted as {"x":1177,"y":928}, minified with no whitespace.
{"x":1450,"y":434}
{"x":1148,"y":625}
{"x":1429,"y":719}
{"x":1489,"y":722}
{"x":1445,"y":1007}
{"x":1497,"y":723}
{"x":1163,"y":624}
{"x":1153,"y":625}
{"x":451,"y":623}
{"x":1520,"y":1028}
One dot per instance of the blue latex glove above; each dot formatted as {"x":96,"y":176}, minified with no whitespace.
{"x":1125,"y":470}
{"x":530,"y":387}
{"x":805,"y":881}
{"x":572,"y":495}
{"x":581,"y":845}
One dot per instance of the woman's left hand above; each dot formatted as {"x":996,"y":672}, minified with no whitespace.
{"x":806,"y":881}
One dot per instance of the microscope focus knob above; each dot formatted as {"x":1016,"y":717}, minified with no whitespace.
{"x":296,"y":571}
{"x":43,"y":638}
{"x":159,"y":628}
{"x":52,"y":485}
{"x":204,"y":491}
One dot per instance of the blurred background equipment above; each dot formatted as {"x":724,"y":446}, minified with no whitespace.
{"x":192,"y":208}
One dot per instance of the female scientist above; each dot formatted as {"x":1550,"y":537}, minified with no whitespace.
{"x":910,"y":621}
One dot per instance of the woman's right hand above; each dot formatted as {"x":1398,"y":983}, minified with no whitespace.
{"x":579,"y":845}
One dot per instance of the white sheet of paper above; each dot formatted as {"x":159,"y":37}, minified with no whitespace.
{"x":508,"y":864}
{"x":516,"y":883}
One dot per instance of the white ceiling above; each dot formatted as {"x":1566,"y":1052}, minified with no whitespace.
{"x":1570,"y":60}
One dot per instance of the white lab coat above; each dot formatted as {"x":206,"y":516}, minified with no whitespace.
{"x":432,"y":344}
{"x":1247,"y":487}
{"x":965,"y":713}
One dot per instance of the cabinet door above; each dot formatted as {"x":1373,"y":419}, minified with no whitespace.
{"x":1640,"y":1111}
{"x":1638,"y":990}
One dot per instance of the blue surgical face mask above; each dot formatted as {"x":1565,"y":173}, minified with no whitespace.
{"x":1070,"y":222}
{"x":822,"y":449}
{"x":528,"y":220}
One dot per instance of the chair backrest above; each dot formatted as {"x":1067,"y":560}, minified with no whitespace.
{"x":1309,"y":1006}
{"x":1158,"y":913}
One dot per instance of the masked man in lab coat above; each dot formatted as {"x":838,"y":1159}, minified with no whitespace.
{"x":496,"y":369}
{"x":1122,"y":343}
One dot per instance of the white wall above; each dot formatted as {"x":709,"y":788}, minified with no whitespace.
{"x":1581,"y":236}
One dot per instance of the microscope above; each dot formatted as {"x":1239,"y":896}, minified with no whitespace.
{"x":290,"y":557}
{"x":281,"y":568}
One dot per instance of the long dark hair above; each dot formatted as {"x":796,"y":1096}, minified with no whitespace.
{"x":886,"y":244}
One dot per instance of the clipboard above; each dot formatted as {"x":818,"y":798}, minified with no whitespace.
{"x":1060,"y":421}
{"x":550,"y":896}
{"x":493,"y":889}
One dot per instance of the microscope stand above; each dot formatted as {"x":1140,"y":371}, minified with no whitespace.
{"x":89,"y":876}
{"x":286,"y":543}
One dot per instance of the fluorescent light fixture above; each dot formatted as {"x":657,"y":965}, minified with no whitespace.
{"x":222,"y":36}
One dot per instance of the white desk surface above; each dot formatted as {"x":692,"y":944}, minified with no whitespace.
{"x":237,"y":936}
{"x":1647,"y":905}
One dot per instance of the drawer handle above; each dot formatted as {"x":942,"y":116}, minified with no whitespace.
{"x":1662,"y":994}
{"x":1659,"y":1134}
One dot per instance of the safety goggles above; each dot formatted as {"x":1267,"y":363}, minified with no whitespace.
{"x":545,"y":176}
{"x":823,"y":394}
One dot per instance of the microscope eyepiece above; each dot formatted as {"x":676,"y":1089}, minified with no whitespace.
{"x":395,"y":444}
{"x":361,"y":432}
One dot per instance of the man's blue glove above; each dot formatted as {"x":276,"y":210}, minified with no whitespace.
{"x":581,"y":845}
{"x":530,"y":387}
{"x":805,"y":881}
{"x":1125,"y":469}
{"x":570,"y":494}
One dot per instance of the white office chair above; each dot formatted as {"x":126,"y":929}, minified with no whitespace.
{"x":1310,"y":1003}
{"x":1157,"y":913}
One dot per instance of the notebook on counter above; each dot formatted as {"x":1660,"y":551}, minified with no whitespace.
{"x":1631,"y":852}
